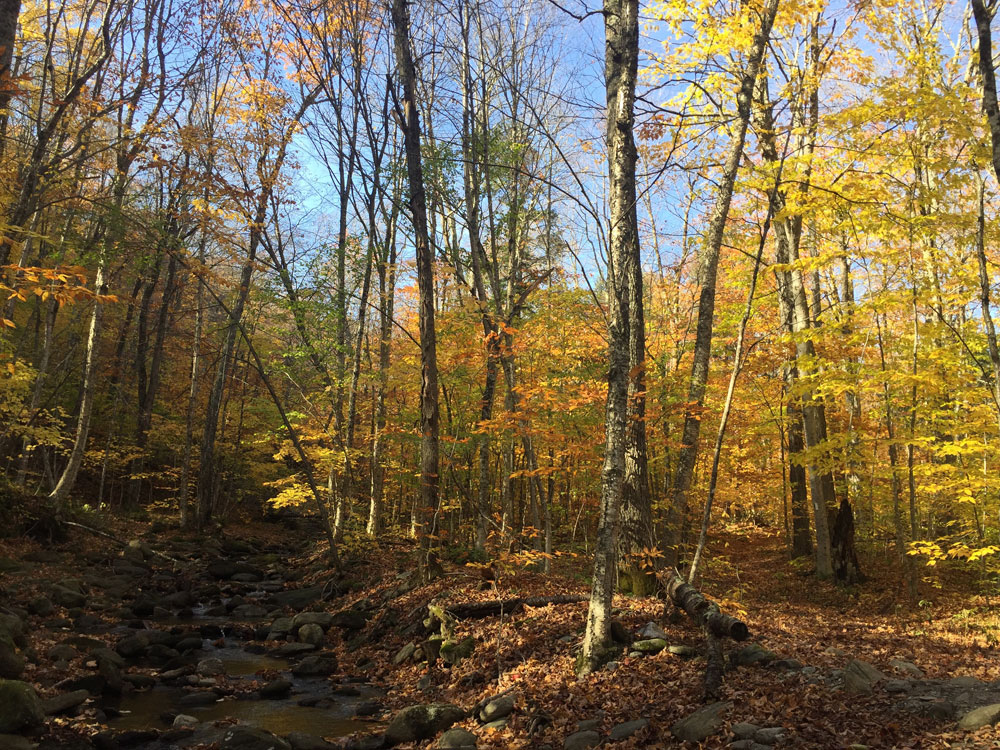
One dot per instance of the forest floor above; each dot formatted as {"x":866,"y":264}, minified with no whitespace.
{"x":809,"y":631}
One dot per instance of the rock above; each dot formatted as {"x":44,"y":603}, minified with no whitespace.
{"x":421,"y":722}
{"x":139,"y":681}
{"x":298,"y":598}
{"x":132,"y":646}
{"x":311,"y":633}
{"x":652,"y":630}
{"x":318,"y":665}
{"x":582,"y":740}
{"x":323,"y":619}
{"x":366,"y":708}
{"x":860,"y":677}
{"x":966,"y":681}
{"x":627,"y":729}
{"x":201,"y":698}
{"x":62,"y":652}
{"x":685,"y":652}
{"x":66,"y":597}
{"x":405,"y":653}
{"x":303,"y":741}
{"x":249,"y":738}
{"x":11,"y":662}
{"x":744,"y":730}
{"x":983,"y":716}
{"x":701,"y":724}
{"x":294,"y":649}
{"x":834,"y":651}
{"x":15,"y":741}
{"x":41,"y":606}
{"x":619,"y":634}
{"x":931,"y":708}
{"x":282,"y":626}
{"x":769,"y":735}
{"x":897,"y":686}
{"x":908,"y":667}
{"x":183,"y":720}
{"x":350,"y":619}
{"x":249,"y":612}
{"x":588,"y":724}
{"x":222,"y":569}
{"x":19,"y":707}
{"x":457,"y":739}
{"x":649,"y":646}
{"x":787,"y":665}
{"x":276,"y":688}
{"x":751,"y":655}
{"x":92,"y":683}
{"x":498,"y":726}
{"x":497,"y":708}
{"x":62,"y":703}
{"x":211,"y":667}
{"x":453,"y":652}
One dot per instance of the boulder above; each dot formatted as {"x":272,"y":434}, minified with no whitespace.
{"x":11,"y":662}
{"x":497,"y":708}
{"x":41,"y":606}
{"x":752,"y":654}
{"x":652,"y":630}
{"x":907,"y":667}
{"x":457,"y":739}
{"x":323,"y":619}
{"x":452,"y":652}
{"x":983,"y":716}
{"x":421,"y":722}
{"x":311,"y":633}
{"x":627,"y":729}
{"x":249,"y":738}
{"x":276,"y":688}
{"x":582,"y":740}
{"x":211,"y":667}
{"x":649,"y":646}
{"x":404,"y":653}
{"x":701,"y":724}
{"x":860,"y":677}
{"x":66,"y":597}
{"x":64,"y":702}
{"x":19,"y":707}
{"x":350,"y":619}
{"x":318,"y":665}
{"x":184,"y":720}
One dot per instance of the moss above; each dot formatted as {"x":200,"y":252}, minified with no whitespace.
{"x":19,"y":707}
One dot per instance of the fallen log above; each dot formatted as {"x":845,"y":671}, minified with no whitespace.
{"x":705,"y":613}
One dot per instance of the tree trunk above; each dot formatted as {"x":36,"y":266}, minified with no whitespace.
{"x":621,"y":57}
{"x":9,"y":12}
{"x":708,"y":272}
{"x":409,"y":119}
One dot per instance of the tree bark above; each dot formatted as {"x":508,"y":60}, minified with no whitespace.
{"x":409,"y":120}
{"x":708,"y":272}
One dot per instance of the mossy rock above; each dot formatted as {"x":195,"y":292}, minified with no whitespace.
{"x":452,"y":652}
{"x":650,"y":646}
{"x":19,"y":707}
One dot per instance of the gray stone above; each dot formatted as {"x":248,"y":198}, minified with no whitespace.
{"x":248,"y":738}
{"x":588,"y":725}
{"x":294,"y":649}
{"x":744,"y":730}
{"x":311,"y":633}
{"x":649,"y":646}
{"x":249,"y":611}
{"x":62,"y":652}
{"x":201,"y":698}
{"x":931,"y":708}
{"x":966,"y":681}
{"x":282,"y":625}
{"x":983,"y":716}
{"x":908,"y":667}
{"x":457,"y":738}
{"x":65,"y":702}
{"x":860,"y":677}
{"x":897,"y":686}
{"x":582,"y":740}
{"x":652,"y":630}
{"x":350,"y":619}
{"x":701,"y":724}
{"x":626,"y":729}
{"x":183,"y":720}
{"x":498,"y":726}
{"x":497,"y":708}
{"x":318,"y":665}
{"x":769,"y":735}
{"x":788,"y":665}
{"x":298,"y":598}
{"x":11,"y":662}
{"x":323,"y":619}
{"x":406,"y":652}
{"x":19,"y":707}
{"x":66,"y":597}
{"x":421,"y":722}
{"x":40,"y":606}
{"x":751,"y":655}
{"x":685,"y":652}
{"x":276,"y":688}
{"x":303,"y":741}
{"x":211,"y":667}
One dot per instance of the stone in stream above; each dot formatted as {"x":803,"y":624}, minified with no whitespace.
{"x":701,"y":724}
{"x":19,"y":707}
{"x":317,"y":665}
{"x":457,"y":739}
{"x":421,"y":722}
{"x":65,"y":702}
{"x":211,"y":667}
{"x":276,"y":688}
{"x":311,"y":633}
{"x":249,"y":738}
{"x":201,"y":698}
{"x":303,"y":741}
{"x":183,"y":720}
{"x":294,"y":649}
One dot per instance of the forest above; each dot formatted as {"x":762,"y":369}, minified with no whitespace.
{"x":479,"y":373}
